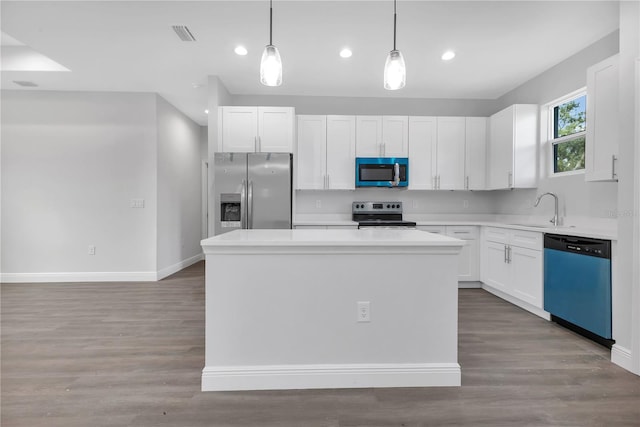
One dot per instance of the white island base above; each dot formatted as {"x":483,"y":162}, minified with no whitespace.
{"x":283,"y":309}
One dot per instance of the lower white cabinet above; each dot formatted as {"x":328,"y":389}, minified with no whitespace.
{"x":469,"y":258}
{"x":512,"y":263}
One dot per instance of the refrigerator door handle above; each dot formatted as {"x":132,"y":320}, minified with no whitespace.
{"x":250,"y":205}
{"x":243,"y":205}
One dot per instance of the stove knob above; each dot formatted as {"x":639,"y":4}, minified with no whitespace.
{"x":388,"y":206}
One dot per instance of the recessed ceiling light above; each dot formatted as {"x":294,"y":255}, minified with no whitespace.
{"x":206,"y":111}
{"x":346,"y":53}
{"x":448,"y":55}
{"x":240,"y":50}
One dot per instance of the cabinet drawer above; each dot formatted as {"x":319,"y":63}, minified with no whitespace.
{"x":526,"y":239}
{"x":494,"y":234}
{"x":466,"y":232}
{"x":437,"y":229}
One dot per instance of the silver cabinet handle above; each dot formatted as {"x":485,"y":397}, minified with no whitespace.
{"x":438,"y":182}
{"x":435,"y":182}
{"x":260,"y":144}
{"x":324,"y":184}
{"x":505,"y":255}
{"x":466,"y":183}
{"x":510,"y":179}
{"x":509,"y":254}
{"x":250,"y":207}
{"x":614,"y":175}
{"x":243,"y":205}
{"x":255,"y":144}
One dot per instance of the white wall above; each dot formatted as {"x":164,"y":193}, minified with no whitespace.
{"x":577,"y":197}
{"x":71,"y":163}
{"x":179,"y":189}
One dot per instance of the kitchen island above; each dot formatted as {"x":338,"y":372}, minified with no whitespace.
{"x":297,"y":309}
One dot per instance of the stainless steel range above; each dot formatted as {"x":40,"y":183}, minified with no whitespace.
{"x":379,"y":214}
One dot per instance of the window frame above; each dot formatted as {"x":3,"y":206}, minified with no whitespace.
{"x":550,"y":130}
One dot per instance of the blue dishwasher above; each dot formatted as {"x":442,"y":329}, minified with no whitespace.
{"x":577,"y":284}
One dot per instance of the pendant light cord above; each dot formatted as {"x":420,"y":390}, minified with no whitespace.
{"x":271,"y":22}
{"x":394,"y":24}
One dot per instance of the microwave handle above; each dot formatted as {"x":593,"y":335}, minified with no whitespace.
{"x":396,"y":175}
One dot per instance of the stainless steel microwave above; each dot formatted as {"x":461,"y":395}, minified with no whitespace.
{"x":382,"y":171}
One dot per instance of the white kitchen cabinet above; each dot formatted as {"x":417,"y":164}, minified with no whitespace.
{"x":469,"y":258}
{"x":513,"y":148}
{"x":468,"y":269}
{"x":475,"y":153}
{"x":601,"y":144}
{"x":341,"y":152}
{"x":311,"y":158}
{"x":450,"y":154}
{"x":256,"y":129}
{"x":325,"y":156}
{"x":382,"y":136}
{"x":512,"y":263}
{"x":422,"y":149}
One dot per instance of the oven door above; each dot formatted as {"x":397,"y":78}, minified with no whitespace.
{"x":382,"y":172}
{"x":406,"y":225}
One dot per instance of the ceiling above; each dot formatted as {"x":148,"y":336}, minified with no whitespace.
{"x":129,"y":46}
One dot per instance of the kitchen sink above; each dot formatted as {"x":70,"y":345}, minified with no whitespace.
{"x":533,"y":225}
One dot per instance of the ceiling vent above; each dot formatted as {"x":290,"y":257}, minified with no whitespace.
{"x":25,"y":83}
{"x":183,"y":32}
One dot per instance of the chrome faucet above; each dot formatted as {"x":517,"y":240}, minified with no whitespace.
{"x":555,"y":218}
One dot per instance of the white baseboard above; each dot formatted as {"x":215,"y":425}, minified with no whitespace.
{"x":90,"y":276}
{"x":622,"y":357}
{"x":129,"y":276}
{"x":515,"y":301}
{"x":168,"y":271}
{"x":469,"y":285}
{"x":292,"y":377}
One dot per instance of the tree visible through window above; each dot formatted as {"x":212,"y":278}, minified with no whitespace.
{"x":569,"y":128}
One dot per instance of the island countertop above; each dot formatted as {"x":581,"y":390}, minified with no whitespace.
{"x":370,"y":238}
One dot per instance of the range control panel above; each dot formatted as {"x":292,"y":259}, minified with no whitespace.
{"x":377,"y":207}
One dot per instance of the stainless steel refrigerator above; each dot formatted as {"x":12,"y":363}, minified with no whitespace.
{"x":252,"y":190}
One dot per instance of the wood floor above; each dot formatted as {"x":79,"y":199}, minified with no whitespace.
{"x":131,"y":354}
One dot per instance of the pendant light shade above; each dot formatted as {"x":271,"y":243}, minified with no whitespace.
{"x":395,"y":72}
{"x":271,"y":64}
{"x":271,"y":67}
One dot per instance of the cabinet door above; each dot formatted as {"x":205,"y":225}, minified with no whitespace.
{"x":422,"y":151}
{"x":469,"y":258}
{"x":500,"y":164}
{"x":526,"y":275}
{"x":450,"y":153}
{"x":475,"y":153}
{"x":368,"y":136}
{"x":395,"y":136}
{"x":275,"y":129}
{"x":239,"y":129}
{"x":496,"y":272}
{"x":311,"y":154}
{"x":341,"y":152}
{"x":601,"y":146}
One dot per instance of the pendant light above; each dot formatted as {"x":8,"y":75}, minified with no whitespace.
{"x":271,"y":65}
{"x":395,"y":73}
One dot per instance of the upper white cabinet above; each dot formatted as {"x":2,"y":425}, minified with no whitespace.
{"x":513,"y":148}
{"x":447,"y":153}
{"x":256,"y":129}
{"x":475,"y":156}
{"x":601,"y":146}
{"x":382,"y":136}
{"x":450,"y":153}
{"x":422,"y":149}
{"x":326,"y":152}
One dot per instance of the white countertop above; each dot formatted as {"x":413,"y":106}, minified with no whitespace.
{"x":346,"y":237}
{"x":513,"y":223}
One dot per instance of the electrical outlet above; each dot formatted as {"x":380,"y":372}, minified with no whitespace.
{"x":465,"y":204}
{"x":318,"y":204}
{"x":137,"y":203}
{"x":414,"y":204}
{"x":364,"y":311}
{"x":92,"y":250}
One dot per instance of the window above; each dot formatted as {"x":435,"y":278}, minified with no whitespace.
{"x":568,"y":121}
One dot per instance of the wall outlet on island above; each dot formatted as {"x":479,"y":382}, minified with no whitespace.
{"x":465,"y":204}
{"x":91,"y":250}
{"x":318,"y":204}
{"x":364,"y":311}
